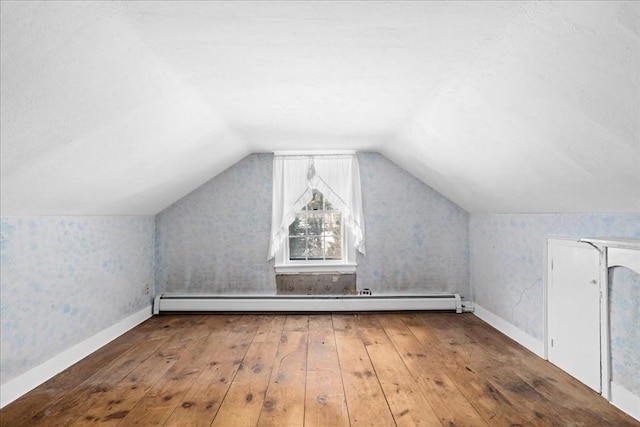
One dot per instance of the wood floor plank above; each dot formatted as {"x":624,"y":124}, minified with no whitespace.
{"x":479,"y":391}
{"x":110,"y":407}
{"x":24,"y":410}
{"x":336,"y":369}
{"x":323,"y":356}
{"x":321,"y":327}
{"x":502,"y":383}
{"x":284,"y":401}
{"x":160,"y":401}
{"x":74,"y":389}
{"x":345,"y":325}
{"x":200,"y":404}
{"x":449,"y":404}
{"x":325,"y":403}
{"x":408,"y":404}
{"x":571,"y":400}
{"x":366,"y":402}
{"x":78,"y":400}
{"x":296,"y":322}
{"x":322,"y":353}
{"x":243,"y":402}
{"x":270,"y":328}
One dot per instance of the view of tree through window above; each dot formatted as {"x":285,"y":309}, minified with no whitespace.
{"x":316,"y":233}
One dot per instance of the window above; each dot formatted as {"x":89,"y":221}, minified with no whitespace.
{"x":316,"y":223}
{"x":316,"y":234}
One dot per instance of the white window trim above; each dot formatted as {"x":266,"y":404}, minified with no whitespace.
{"x":349,"y":238}
{"x":347,"y":265}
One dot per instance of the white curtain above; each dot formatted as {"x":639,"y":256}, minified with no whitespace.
{"x":337,"y":177}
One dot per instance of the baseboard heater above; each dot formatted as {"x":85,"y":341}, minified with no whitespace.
{"x":305,"y":303}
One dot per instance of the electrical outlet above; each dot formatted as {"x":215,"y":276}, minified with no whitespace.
{"x":147,"y":289}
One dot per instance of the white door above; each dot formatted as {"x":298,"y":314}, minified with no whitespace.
{"x":573,"y":310}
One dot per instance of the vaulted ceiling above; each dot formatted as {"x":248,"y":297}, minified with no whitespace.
{"x":124,"y":107}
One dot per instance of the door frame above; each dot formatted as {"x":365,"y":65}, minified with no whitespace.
{"x":613,"y":252}
{"x":603,"y":312}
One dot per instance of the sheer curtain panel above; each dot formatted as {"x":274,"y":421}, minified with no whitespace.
{"x":295,"y":177}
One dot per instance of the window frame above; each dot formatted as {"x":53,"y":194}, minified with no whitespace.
{"x":283,"y":263}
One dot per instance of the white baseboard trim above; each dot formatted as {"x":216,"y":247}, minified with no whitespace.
{"x":626,"y":401}
{"x":16,"y":387}
{"x":516,"y":334}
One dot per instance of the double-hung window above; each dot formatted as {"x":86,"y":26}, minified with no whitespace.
{"x":317,"y":233}
{"x":317,"y":222}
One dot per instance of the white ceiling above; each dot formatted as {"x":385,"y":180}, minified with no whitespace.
{"x":123,"y":108}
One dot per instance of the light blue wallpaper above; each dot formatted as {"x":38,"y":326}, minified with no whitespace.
{"x":417,"y":240}
{"x":507,"y":265}
{"x":624,"y":293}
{"x":215,"y":240}
{"x":507,"y":257}
{"x":64,"y":279}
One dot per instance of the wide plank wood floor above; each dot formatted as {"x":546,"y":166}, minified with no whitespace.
{"x":368,"y":369}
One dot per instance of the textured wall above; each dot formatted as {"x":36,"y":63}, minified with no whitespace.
{"x":417,"y":240}
{"x":507,"y":258}
{"x":215,"y":240}
{"x":624,"y":288}
{"x":64,"y":279}
{"x":507,"y":265}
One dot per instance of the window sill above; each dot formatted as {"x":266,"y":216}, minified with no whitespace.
{"x":317,"y":268}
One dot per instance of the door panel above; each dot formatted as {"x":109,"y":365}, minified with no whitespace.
{"x":574,"y":310}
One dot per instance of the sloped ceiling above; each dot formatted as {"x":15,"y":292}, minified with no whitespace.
{"x":123,"y":108}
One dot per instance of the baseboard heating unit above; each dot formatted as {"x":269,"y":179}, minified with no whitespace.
{"x":305,"y":303}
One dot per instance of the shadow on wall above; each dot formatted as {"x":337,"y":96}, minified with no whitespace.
{"x":215,"y":240}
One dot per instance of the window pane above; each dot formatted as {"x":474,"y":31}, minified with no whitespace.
{"x":298,"y":226}
{"x":327,"y":206}
{"x":316,"y":203}
{"x":297,"y":248}
{"x":333,"y":245}
{"x":314,"y":247}
{"x":316,"y":233}
{"x":315,"y":224}
{"x":333,"y":222}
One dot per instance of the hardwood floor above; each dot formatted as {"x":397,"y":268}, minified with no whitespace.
{"x":314,"y":370}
